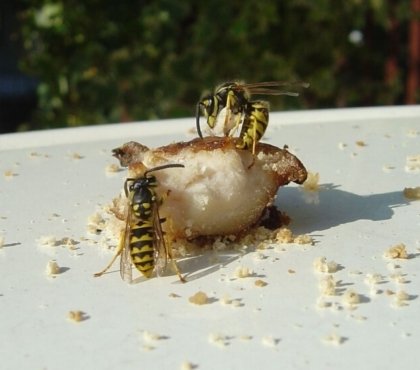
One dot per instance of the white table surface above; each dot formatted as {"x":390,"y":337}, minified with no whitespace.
{"x":361,"y":211}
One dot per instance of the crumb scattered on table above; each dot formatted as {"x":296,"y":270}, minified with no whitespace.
{"x":412,"y":193}
{"x":312,"y":182}
{"x":333,"y":339}
{"x":396,"y":251}
{"x":76,"y":316}
{"x":243,"y":272}
{"x":199,"y":298}
{"x":269,"y":341}
{"x":52,"y":268}
{"x":260,"y":283}
{"x":321,"y":264}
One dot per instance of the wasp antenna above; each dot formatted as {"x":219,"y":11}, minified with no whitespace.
{"x":158,"y":168}
{"x":197,"y":120}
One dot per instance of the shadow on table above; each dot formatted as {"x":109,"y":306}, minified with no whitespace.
{"x":198,"y":266}
{"x":330,"y":207}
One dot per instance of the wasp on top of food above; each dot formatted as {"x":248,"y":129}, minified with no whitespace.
{"x":142,"y":241}
{"x":235,"y":99}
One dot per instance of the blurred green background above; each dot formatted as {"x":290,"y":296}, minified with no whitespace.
{"x":98,"y":61}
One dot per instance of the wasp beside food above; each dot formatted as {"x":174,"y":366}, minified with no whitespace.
{"x":142,"y":241}
{"x":235,"y":98}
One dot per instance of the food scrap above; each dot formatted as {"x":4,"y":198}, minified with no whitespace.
{"x":260,"y":283}
{"x":285,"y":236}
{"x":396,"y":251}
{"x":322,"y":265}
{"x":218,"y":340}
{"x":351,"y":298}
{"x":243,"y":272}
{"x":199,"y":298}
{"x":77,"y":316}
{"x":412,"y":164}
{"x":269,"y":341}
{"x":334,"y":339}
{"x":412,"y":193}
{"x":52,"y":268}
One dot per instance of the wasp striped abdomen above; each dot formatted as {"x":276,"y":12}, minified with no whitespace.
{"x":254,"y":124}
{"x":142,"y":250}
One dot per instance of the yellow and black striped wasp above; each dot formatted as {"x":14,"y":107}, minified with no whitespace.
{"x":235,"y":98}
{"x":142,"y":242}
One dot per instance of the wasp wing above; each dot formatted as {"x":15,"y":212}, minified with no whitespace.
{"x":161,"y":252}
{"x":125,"y":260}
{"x":273,"y":87}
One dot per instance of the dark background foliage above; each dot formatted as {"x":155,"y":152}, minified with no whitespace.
{"x":99,"y":61}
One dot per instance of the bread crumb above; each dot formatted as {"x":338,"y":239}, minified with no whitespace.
{"x":322,"y":265}
{"x":96,"y":223}
{"x":9,"y":174}
{"x":396,"y":251}
{"x":243,"y":272}
{"x":333,"y":339}
{"x":218,"y":339}
{"x":199,"y":298}
{"x":285,"y":236}
{"x":113,"y":168}
{"x":373,"y":278}
{"x":322,"y":303}
{"x":327,"y":286}
{"x":341,"y":145}
{"x":76,"y":316}
{"x":186,"y":365}
{"x":245,"y":337}
{"x":174,"y":295}
{"x":47,"y":241}
{"x":413,"y":133}
{"x":361,"y":143}
{"x":149,"y":336}
{"x":351,"y":298}
{"x":392,"y":266}
{"x":412,"y":164}
{"x":226,"y":300}
{"x":269,"y":341}
{"x":387,"y":168}
{"x":412,"y":193}
{"x":237,"y":302}
{"x":398,"y":278}
{"x":260,"y":283}
{"x":401,"y":298}
{"x":75,"y":155}
{"x":52,"y":268}
{"x":303,"y":239}
{"x":312,"y":182}
{"x":148,"y":347}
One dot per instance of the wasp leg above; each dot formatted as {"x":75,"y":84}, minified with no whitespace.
{"x":197,"y":120}
{"x":119,"y":251}
{"x":230,"y":104}
{"x":175,"y":266}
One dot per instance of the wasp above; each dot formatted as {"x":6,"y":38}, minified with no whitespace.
{"x":235,"y":97}
{"x":142,"y":242}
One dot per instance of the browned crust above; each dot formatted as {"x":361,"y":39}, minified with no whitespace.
{"x":291,"y":168}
